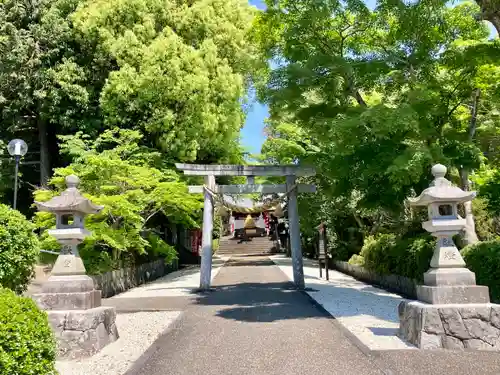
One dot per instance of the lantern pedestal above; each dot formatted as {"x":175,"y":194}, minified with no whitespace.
{"x":82,"y":333}
{"x":452,"y":312}
{"x":453,"y":294}
{"x":81,"y":325}
{"x":448,"y":280}
{"x":450,"y":326}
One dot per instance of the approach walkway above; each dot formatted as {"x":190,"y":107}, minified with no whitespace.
{"x":254,"y":323}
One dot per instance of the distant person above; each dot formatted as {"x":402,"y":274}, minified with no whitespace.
{"x":282,"y":233}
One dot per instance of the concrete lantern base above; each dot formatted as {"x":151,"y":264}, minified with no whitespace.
{"x":83,"y":333}
{"x":443,"y":294}
{"x":450,"y":326}
{"x":81,"y":325}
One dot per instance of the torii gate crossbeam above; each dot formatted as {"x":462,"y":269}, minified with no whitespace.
{"x":210,"y":171}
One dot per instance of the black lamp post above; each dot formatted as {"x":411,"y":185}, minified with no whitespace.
{"x":17,"y":148}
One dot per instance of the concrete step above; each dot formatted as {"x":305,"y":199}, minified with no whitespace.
{"x":258,"y":245}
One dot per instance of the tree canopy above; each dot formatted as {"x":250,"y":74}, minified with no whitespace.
{"x":116,"y":92}
{"x":374,"y":97}
{"x":177,"y":71}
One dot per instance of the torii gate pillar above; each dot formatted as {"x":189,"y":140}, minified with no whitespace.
{"x":293,"y":219}
{"x":206,"y":244}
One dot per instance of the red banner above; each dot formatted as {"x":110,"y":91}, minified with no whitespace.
{"x":196,"y":241}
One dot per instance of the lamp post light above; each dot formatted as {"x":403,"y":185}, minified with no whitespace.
{"x":17,"y":148}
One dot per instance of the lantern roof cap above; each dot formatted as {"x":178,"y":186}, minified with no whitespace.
{"x":70,"y":200}
{"x":441,"y":190}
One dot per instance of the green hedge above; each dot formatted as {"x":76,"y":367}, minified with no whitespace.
{"x":483,"y":259}
{"x":18,"y":250}
{"x":390,"y":254}
{"x":27,"y":345}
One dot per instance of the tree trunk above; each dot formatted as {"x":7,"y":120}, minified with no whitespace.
{"x":470,"y":235}
{"x":490,"y":11}
{"x":44,"y":153}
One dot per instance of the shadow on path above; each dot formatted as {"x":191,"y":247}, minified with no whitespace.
{"x":275,"y":298}
{"x":256,"y":302}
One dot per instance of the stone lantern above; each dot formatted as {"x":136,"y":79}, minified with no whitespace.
{"x":447,"y":281}
{"x":452,"y":312}
{"x":81,"y":325}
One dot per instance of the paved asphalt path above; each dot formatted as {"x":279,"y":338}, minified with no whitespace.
{"x":254,"y":323}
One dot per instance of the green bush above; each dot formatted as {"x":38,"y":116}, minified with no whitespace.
{"x":378,"y":253}
{"x":357,"y":260}
{"x":344,"y":250}
{"x":217,"y":227}
{"x":18,"y":250}
{"x":160,"y":248}
{"x":483,"y":258}
{"x":390,"y":254}
{"x":414,"y":256}
{"x":27,"y":345}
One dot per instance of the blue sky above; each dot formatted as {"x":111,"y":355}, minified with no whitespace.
{"x":252,"y":134}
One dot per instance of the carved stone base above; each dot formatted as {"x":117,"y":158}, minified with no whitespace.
{"x":453,"y":294}
{"x":82,"y":333}
{"x":68,"y":301}
{"x":449,"y":276}
{"x":452,"y":326}
{"x":68,"y":284}
{"x":81,"y":326}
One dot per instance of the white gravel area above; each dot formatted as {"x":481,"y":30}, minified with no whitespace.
{"x":176,"y":284}
{"x":137,"y":332}
{"x":370,"y":313}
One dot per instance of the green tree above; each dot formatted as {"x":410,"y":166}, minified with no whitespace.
{"x":46,"y":87}
{"x":381,"y":95}
{"x":177,"y":71}
{"x":183,"y":69}
{"x":138,"y":199}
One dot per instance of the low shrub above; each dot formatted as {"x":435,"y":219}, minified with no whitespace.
{"x":378,"y":253}
{"x":18,"y":250}
{"x":415,"y":256}
{"x":217,"y":227}
{"x":357,"y":260}
{"x":390,"y":254}
{"x":215,"y":245}
{"x":161,"y":249}
{"x":483,"y":258}
{"x":27,"y":345}
{"x":344,"y":250}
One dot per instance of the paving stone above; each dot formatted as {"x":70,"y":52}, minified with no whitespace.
{"x":83,"y":320}
{"x":495,"y":316}
{"x":475,"y":312}
{"x":453,"y":323}
{"x":431,"y":322}
{"x":450,"y":342}
{"x":429,"y":341}
{"x":480,"y":329}
{"x":476,"y":344}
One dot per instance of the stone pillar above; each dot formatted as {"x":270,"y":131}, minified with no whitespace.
{"x":208,"y":223}
{"x":293,"y":219}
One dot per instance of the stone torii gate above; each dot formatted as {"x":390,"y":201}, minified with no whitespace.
{"x":250,"y":171}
